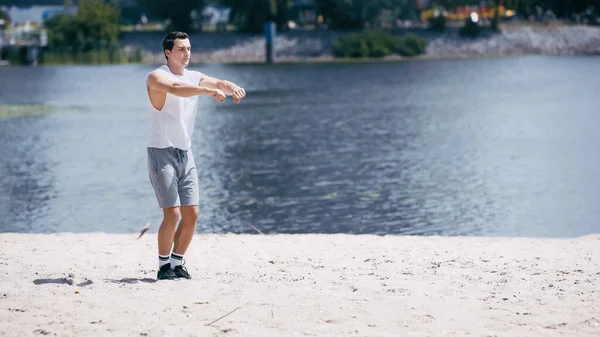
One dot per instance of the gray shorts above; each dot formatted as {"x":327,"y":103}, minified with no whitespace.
{"x":173,"y":176}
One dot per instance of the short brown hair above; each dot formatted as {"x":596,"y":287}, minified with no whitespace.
{"x":169,"y":40}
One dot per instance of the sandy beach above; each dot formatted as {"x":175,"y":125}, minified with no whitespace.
{"x":301,"y":285}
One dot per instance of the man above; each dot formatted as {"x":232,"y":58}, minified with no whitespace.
{"x":173,"y":92}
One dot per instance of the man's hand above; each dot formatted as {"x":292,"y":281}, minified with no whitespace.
{"x":218,"y":95}
{"x":238,"y":94}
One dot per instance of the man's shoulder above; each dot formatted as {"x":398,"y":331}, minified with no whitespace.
{"x":160,"y":71}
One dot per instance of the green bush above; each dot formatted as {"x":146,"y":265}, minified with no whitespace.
{"x":351,"y":46}
{"x":104,"y":56}
{"x":13,"y":54}
{"x":377,"y":44}
{"x":404,"y":50}
{"x":470,"y":29}
{"x":416,"y":43}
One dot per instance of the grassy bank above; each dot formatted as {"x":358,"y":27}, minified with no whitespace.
{"x":17,"y":55}
{"x":93,"y":57}
{"x":33,"y":110}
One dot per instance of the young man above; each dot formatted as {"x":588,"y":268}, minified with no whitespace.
{"x":173,"y":92}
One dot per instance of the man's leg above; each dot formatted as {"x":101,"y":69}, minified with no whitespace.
{"x":186,"y":229}
{"x":161,"y":167}
{"x":183,"y":238}
{"x":190,"y":199}
{"x":166,"y":232}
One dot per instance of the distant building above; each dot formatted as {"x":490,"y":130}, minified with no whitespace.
{"x":212,"y":15}
{"x":35,"y":14}
{"x":24,"y":10}
{"x":29,"y":3}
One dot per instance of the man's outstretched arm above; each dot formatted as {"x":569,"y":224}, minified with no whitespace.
{"x":159,"y":82}
{"x":228,"y":88}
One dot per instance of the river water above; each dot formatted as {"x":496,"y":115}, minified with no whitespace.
{"x":506,"y":146}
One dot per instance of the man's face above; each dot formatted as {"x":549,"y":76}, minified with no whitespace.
{"x":181,"y":52}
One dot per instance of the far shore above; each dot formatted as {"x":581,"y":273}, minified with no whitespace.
{"x":301,"y":285}
{"x":316,"y":46}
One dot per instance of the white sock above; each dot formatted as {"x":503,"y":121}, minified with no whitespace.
{"x":162,"y":260}
{"x":176,"y":260}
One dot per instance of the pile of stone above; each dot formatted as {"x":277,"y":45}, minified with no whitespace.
{"x":559,"y":40}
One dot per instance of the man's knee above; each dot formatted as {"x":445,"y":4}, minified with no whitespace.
{"x":172,"y":214}
{"x":189,"y":213}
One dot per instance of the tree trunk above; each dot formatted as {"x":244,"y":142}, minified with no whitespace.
{"x":496,"y":19}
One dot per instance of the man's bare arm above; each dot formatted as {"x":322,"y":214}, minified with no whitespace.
{"x":228,"y":88}
{"x":215,"y":83}
{"x":159,"y":82}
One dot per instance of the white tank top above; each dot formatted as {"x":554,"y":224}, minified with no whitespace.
{"x":173,"y":125}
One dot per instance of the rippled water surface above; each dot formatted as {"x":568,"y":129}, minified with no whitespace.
{"x":480,"y":147}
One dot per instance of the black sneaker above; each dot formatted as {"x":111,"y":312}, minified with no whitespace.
{"x":181,"y":272}
{"x":166,"y":273}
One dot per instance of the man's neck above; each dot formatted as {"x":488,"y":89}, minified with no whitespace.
{"x":177,"y":70}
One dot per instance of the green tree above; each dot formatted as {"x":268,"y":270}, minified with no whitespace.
{"x":96,"y":26}
{"x":250,"y":15}
{"x":353,"y":14}
{"x":177,"y":11}
{"x":496,"y":19}
{"x":100,"y":22}
{"x":562,"y":8}
{"x":4,"y":16}
{"x":342,"y":14}
{"x":451,"y":4}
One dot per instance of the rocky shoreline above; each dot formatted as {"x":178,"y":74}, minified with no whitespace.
{"x":314,"y":46}
{"x":562,"y":40}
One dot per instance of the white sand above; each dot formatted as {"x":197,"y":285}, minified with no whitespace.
{"x":305,"y":285}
